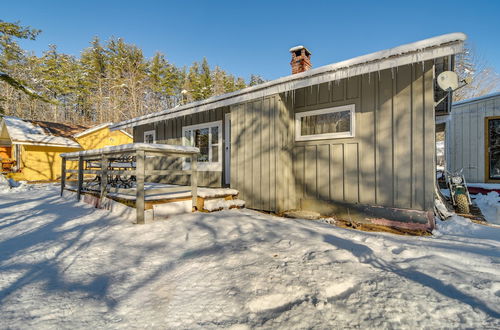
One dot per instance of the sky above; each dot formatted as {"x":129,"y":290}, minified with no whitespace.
{"x":245,"y":37}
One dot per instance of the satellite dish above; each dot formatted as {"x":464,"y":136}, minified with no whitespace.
{"x":448,"y":81}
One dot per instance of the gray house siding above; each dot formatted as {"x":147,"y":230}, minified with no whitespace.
{"x":261,"y":160}
{"x":170,"y":132}
{"x":389,"y":162}
{"x":465,"y":137}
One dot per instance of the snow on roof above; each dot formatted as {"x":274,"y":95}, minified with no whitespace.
{"x":133,"y":147}
{"x":98,"y":127}
{"x":415,"y":52}
{"x":92,"y":129}
{"x":479,"y":98}
{"x":26,"y":132}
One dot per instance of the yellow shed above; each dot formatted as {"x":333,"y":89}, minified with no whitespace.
{"x":100,"y":136}
{"x":31,"y":149}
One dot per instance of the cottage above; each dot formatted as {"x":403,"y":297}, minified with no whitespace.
{"x":31,"y":148}
{"x":354,"y":139}
{"x":472,"y":138}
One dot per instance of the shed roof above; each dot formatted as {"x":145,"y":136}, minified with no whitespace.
{"x":42,"y":132}
{"x":475,"y":99}
{"x":419,"y":51}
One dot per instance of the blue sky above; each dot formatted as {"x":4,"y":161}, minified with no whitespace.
{"x":254,"y":36}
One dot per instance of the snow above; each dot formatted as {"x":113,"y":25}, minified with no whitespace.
{"x":440,"y":148}
{"x":489,"y":205}
{"x":222,"y":204}
{"x":133,"y":147}
{"x":26,"y":132}
{"x":415,"y":52}
{"x":67,"y":265}
{"x":479,"y":98}
{"x":9,"y":185}
{"x":484,"y":185}
{"x":299,"y":47}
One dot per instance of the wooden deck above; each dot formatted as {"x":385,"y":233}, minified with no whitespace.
{"x":121,"y":170}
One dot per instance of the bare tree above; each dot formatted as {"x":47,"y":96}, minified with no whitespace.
{"x":485,"y":79}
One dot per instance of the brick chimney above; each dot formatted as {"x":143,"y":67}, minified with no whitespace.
{"x":301,"y":59}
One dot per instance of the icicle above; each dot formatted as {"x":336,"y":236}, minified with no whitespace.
{"x":369,"y":76}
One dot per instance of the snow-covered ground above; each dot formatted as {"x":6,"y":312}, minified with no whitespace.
{"x":66,"y":265}
{"x":489,"y":205}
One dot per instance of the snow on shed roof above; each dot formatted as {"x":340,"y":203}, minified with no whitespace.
{"x":479,"y":98}
{"x":419,"y":51}
{"x":40,"y":133}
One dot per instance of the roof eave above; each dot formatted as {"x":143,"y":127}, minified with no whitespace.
{"x":357,"y":66}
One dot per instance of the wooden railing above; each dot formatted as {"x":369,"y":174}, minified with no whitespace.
{"x":104,"y":162}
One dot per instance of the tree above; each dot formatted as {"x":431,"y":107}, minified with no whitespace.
{"x":11,"y":52}
{"x":484,"y":78}
{"x":256,"y":80}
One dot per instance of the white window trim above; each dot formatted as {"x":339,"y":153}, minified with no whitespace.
{"x":152,"y":132}
{"x":206,"y":166}
{"x":300,"y":115}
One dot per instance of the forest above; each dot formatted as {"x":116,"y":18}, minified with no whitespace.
{"x":110,"y":81}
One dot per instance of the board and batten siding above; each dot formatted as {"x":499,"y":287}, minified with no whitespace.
{"x":261,"y":154}
{"x":390,"y":160}
{"x":465,"y":137}
{"x":170,"y":132}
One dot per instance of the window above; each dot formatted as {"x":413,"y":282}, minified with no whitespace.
{"x":150,"y":137}
{"x":208,"y":138}
{"x":331,"y":123}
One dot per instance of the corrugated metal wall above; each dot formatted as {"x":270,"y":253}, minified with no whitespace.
{"x":390,"y":161}
{"x":465,"y":137}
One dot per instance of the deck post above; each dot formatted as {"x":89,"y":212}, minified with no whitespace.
{"x":104,"y":177}
{"x":80,"y":177}
{"x":139,"y":175}
{"x":63,"y":174}
{"x":194,"y":180}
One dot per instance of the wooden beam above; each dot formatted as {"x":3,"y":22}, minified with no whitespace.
{"x":139,"y":193}
{"x":194,"y":180}
{"x":80,"y":177}
{"x":166,"y":190}
{"x":63,"y":175}
{"x":104,"y":178}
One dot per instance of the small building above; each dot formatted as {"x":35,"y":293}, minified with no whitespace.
{"x":31,"y":148}
{"x":472,"y":138}
{"x":355,"y":139}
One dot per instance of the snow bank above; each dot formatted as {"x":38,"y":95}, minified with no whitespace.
{"x":10,"y":185}
{"x":489,"y":205}
{"x":67,"y":265}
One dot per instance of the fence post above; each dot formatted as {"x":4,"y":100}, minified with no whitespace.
{"x":139,"y":175}
{"x":194,"y":180}
{"x":80,"y":177}
{"x":63,"y":174}
{"x":104,"y":177}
